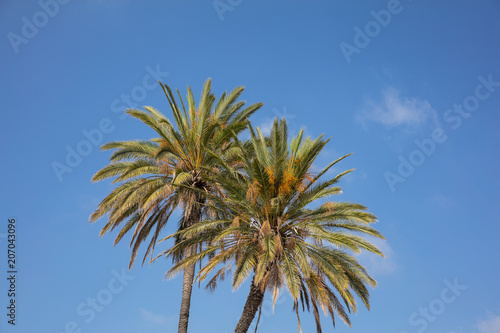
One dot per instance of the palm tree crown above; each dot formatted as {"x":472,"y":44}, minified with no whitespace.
{"x":273,"y":232}
{"x":173,"y":170}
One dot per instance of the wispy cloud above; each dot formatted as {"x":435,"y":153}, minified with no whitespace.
{"x":489,"y":325}
{"x":459,"y":330}
{"x":155,"y":318}
{"x":442,"y":201}
{"x":376,"y":264}
{"x":87,"y":202}
{"x":266,"y":126}
{"x":395,"y":110}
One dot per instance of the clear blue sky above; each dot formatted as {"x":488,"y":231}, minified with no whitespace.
{"x":415,"y":95}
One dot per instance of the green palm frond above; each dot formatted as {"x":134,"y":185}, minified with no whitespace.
{"x":275,"y":228}
{"x":176,"y":168}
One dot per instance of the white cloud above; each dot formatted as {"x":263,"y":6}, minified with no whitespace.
{"x":489,"y":325}
{"x":459,"y":330}
{"x":395,"y":110}
{"x":155,"y":318}
{"x":87,"y":202}
{"x":266,"y":126}
{"x":442,"y":201}
{"x":375,"y":264}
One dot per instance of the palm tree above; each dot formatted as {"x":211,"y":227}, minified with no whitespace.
{"x":277,"y":231}
{"x":173,"y":170}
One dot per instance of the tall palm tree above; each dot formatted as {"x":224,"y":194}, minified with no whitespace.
{"x":173,"y":170}
{"x":278,"y":232}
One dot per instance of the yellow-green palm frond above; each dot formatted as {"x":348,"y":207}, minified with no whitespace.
{"x":175,"y":169}
{"x":279,"y":228}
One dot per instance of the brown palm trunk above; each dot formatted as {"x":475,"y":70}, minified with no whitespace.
{"x":251,"y":306}
{"x":192,"y":216}
{"x":187,"y":287}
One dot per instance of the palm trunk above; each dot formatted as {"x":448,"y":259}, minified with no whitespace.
{"x":251,"y":306}
{"x":192,"y":216}
{"x":187,"y":287}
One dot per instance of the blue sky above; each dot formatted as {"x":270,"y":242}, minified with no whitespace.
{"x":411,"y":87}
